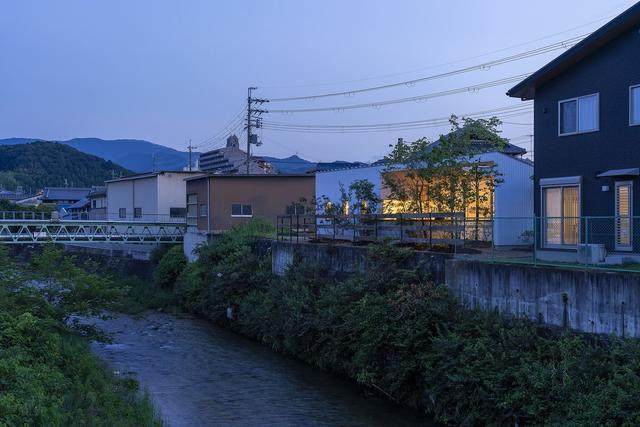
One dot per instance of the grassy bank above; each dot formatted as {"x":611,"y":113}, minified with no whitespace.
{"x":401,"y":335}
{"x":48,"y":375}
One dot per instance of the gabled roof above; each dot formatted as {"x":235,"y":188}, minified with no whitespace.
{"x":64,"y":193}
{"x":614,"y":28}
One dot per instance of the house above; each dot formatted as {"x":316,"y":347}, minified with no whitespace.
{"x":98,"y":203}
{"x":216,"y":202}
{"x":152,"y":197}
{"x":511,"y":199}
{"x":63,"y":197}
{"x":587,"y":142}
{"x":232,"y":160}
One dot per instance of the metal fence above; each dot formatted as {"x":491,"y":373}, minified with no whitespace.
{"x":581,"y":242}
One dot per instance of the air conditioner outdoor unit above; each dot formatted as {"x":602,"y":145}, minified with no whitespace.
{"x":591,"y":253}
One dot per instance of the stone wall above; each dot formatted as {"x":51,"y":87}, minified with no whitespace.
{"x":592,"y":301}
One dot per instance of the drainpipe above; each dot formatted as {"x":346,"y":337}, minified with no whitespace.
{"x":208,"y":205}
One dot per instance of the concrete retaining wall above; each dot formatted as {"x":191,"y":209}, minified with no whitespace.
{"x":587,"y":301}
{"x":342,"y":260}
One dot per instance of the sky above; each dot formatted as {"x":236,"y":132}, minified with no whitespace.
{"x":171,"y":71}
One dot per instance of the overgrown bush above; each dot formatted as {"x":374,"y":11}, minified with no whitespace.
{"x":169,"y":267}
{"x":48,"y":375}
{"x":399,"y":334}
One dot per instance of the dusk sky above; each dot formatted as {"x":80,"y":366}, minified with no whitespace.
{"x":170,"y":71}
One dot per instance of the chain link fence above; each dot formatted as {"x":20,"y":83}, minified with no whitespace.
{"x":578,"y":242}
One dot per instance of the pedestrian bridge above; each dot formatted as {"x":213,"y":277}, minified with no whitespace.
{"x":30,"y":231}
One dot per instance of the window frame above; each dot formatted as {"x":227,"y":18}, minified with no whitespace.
{"x":631,"y":105}
{"x":242,"y":214}
{"x":192,"y":201}
{"x":122,"y":213}
{"x":629,"y":247}
{"x":203,"y":210}
{"x":137,"y":213}
{"x":543,"y":217}
{"x":577,"y":100}
{"x":173,"y":214}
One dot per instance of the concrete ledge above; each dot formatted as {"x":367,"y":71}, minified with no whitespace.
{"x":343,"y":260}
{"x":603,"y":302}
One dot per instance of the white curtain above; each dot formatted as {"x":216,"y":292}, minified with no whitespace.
{"x":588,"y":113}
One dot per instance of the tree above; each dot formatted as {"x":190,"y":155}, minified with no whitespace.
{"x":447,"y":176}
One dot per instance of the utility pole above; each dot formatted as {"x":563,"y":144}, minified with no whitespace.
{"x":190,"y":147}
{"x":250,"y":116}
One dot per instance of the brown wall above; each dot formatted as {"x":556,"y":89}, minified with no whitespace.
{"x":269,"y":196}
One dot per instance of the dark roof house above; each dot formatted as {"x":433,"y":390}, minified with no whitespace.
{"x":587,"y":143}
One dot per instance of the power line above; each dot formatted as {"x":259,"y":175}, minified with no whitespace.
{"x":522,"y":105}
{"x":474,"y":88}
{"x":444,"y":122}
{"x":484,"y":66}
{"x":458,"y":61}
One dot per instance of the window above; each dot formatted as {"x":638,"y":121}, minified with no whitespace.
{"x":177,"y":212}
{"x":239,"y":210}
{"x":296,"y":209}
{"x":561,"y":215}
{"x":192,"y":209}
{"x":122,"y":213}
{"x":624,"y":216}
{"x":137,"y":213}
{"x":203,"y":210}
{"x":578,"y":115}
{"x":634,"y":105}
{"x":94,"y":203}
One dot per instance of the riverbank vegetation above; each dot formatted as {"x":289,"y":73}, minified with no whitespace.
{"x":396,"y":332}
{"x":48,"y":375}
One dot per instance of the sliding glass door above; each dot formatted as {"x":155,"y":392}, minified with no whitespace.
{"x":561,"y":207}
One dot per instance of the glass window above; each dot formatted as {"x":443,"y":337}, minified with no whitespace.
{"x":295,"y":209}
{"x":122,"y":213}
{"x":568,"y":117}
{"x":562,"y":215}
{"x":192,"y":209}
{"x":579,"y":115}
{"x":137,"y":212}
{"x":634,"y":105}
{"x":177,"y":212}
{"x":241,"y":210}
{"x":203,"y":210}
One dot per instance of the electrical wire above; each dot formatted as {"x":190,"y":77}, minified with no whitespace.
{"x":484,"y":66}
{"x":474,"y":88}
{"x":457,"y":61}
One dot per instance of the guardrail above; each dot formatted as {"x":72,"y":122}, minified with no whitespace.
{"x":42,"y":231}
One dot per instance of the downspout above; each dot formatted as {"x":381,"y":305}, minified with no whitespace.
{"x":208,"y":205}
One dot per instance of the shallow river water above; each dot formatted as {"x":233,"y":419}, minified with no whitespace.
{"x":198,"y":374}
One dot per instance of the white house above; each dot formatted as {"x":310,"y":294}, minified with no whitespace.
{"x":512,"y":199}
{"x":153,"y":197}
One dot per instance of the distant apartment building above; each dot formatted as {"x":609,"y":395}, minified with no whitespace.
{"x":152,"y":197}
{"x":232,"y":160}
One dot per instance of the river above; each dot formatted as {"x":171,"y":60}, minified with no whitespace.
{"x":198,"y":374}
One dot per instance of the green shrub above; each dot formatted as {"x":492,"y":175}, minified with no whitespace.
{"x":169,"y":267}
{"x":399,"y":334}
{"x":48,"y":375}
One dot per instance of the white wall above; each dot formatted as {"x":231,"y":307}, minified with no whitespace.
{"x":133,"y":193}
{"x":513,"y":200}
{"x":172,"y":191}
{"x":328,"y":183}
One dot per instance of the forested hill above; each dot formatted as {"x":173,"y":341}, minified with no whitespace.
{"x":39,"y":164}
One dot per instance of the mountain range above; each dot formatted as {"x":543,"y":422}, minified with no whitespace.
{"x":34,"y":166}
{"x":139,"y":155}
{"x":133,"y":154}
